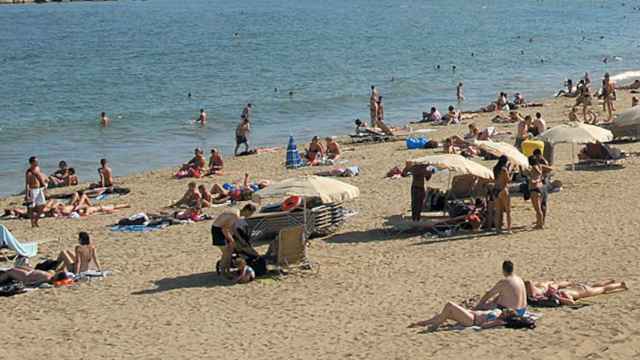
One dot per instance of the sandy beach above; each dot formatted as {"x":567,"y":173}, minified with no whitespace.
{"x":164,"y":301}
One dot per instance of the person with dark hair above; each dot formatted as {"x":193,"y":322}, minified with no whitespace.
{"x":242,"y":135}
{"x":83,"y":259}
{"x":216,"y":163}
{"x":106,"y":175}
{"x":419,"y":175}
{"x":373,"y":105}
{"x":104,"y":120}
{"x":502,"y":176}
{"x":483,"y":318}
{"x":315,"y":152}
{"x":568,"y":292}
{"x":223,"y":232}
{"x":380,"y":114}
{"x":202,"y":119}
{"x":538,"y":126}
{"x":35,"y":186}
{"x":246,"y":113}
{"x":508,"y":293}
{"x":536,"y":188}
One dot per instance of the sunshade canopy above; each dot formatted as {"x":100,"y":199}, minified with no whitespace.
{"x":576,"y":133}
{"x":628,"y":117}
{"x":508,"y":150}
{"x":457,"y":164}
{"x":326,"y":189}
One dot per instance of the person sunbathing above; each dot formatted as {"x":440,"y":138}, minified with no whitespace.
{"x":215,"y":163}
{"x":237,"y":192}
{"x":432,"y":116}
{"x":64,"y":176}
{"x":315,"y":152}
{"x":333,"y":149}
{"x":27,"y":276}
{"x":195,"y":167}
{"x":190,"y":198}
{"x":568,"y":292}
{"x":84,"y":257}
{"x":633,"y":86}
{"x":451,"y":117}
{"x":467,"y":318}
{"x":102,"y":209}
{"x":192,"y":213}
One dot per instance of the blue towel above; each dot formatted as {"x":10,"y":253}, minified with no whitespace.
{"x":137,"y":228}
{"x":7,"y":239}
{"x":294,"y":160}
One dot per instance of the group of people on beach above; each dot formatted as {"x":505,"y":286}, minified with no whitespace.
{"x":506,"y":303}
{"x":584,"y":97}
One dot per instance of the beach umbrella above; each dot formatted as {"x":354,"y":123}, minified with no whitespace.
{"x":456,"y":163}
{"x":293,"y":160}
{"x":326,"y":189}
{"x":500,"y":148}
{"x":628,"y":117}
{"x":576,"y":133}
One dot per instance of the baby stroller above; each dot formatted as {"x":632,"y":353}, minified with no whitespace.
{"x":243,"y":249}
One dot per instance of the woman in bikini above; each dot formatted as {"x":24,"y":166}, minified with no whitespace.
{"x":467,"y":318}
{"x":535,"y":187}
{"x":568,"y":292}
{"x":315,"y":151}
{"x":83,"y":259}
{"x":502,"y":175}
{"x":607,"y":96}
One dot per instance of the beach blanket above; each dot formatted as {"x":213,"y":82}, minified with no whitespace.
{"x":138,"y":228}
{"x":8,"y":240}
{"x":92,"y":274}
{"x":341,"y":172}
{"x":94,"y":193}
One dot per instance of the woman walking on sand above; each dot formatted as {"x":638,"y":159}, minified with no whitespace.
{"x":608,"y":91}
{"x":535,"y":188}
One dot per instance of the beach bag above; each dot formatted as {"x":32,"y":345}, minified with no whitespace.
{"x":258,"y":264}
{"x":544,"y":302}
{"x":416,"y":143}
{"x":11,"y":289}
{"x":47,"y":265}
{"x":520,"y":322}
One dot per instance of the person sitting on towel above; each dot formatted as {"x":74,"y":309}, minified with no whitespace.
{"x":84,"y":257}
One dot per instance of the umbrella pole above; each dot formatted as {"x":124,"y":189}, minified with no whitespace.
{"x":573,"y":156}
{"x":304,"y":221}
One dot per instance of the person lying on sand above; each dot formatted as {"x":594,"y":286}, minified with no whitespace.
{"x":27,"y":276}
{"x":239,"y":192}
{"x":568,"y":292}
{"x":195,"y":167}
{"x":102,"y":209}
{"x":484,"y":318}
{"x":509,"y":293}
{"x":633,"y":86}
{"x":191,"y":197}
{"x":259,"y":150}
{"x":215,"y":163}
{"x":83,"y":258}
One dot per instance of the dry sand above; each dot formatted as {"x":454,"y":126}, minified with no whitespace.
{"x":164,"y":302}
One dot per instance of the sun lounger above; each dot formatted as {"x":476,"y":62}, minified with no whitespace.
{"x":599,"y":154}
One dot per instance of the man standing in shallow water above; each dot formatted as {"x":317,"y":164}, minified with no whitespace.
{"x":202,"y":119}
{"x":104,"y":120}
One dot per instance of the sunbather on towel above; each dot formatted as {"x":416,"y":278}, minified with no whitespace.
{"x":195,"y":167}
{"x":215,"y":163}
{"x":102,"y":209}
{"x":333,"y":149}
{"x":239,"y":192}
{"x":25,"y":275}
{"x":465,"y":317}
{"x":507,"y":293}
{"x":568,"y":292}
{"x":84,"y":258}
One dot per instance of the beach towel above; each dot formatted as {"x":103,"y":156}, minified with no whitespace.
{"x":8,"y":240}
{"x":293,"y":160}
{"x":138,"y":228}
{"x":90,"y":274}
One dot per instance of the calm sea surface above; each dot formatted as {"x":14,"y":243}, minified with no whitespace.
{"x":62,"y":64}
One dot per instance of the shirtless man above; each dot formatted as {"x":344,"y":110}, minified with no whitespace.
{"x":333,"y":149}
{"x":373,"y":105}
{"x":539,"y":125}
{"x":104,"y":120}
{"x":508,"y":293}
{"x":223,"y":231}
{"x":522,"y":132}
{"x":35,"y":185}
{"x":202,"y":119}
{"x":191,"y":197}
{"x":242,"y":135}
{"x":216,"y":163}
{"x":246,"y":113}
{"x":195,"y":167}
{"x":106,"y":175}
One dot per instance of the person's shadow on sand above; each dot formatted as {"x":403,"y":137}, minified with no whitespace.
{"x":199,"y":280}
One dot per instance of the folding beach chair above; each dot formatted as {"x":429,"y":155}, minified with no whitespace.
{"x":292,"y":246}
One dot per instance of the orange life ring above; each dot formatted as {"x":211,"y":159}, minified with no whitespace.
{"x":291,"y":203}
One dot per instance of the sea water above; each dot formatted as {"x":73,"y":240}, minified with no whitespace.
{"x":62,"y":64}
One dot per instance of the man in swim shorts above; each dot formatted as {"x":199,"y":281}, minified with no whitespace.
{"x":509,"y":292}
{"x":35,"y":185}
{"x":242,"y":135}
{"x":224,"y":233}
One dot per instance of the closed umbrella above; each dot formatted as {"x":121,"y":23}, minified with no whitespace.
{"x":500,"y":148}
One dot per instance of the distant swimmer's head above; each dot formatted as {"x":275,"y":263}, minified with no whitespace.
{"x":249,"y":105}
{"x":103,"y":162}
{"x":290,"y":93}
{"x":33,"y":161}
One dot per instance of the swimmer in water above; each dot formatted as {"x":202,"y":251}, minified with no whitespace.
{"x":453,"y":68}
{"x":189,"y":95}
{"x":437,"y":67}
{"x":104,"y":120}
{"x":202,"y":119}
{"x":290,"y":93}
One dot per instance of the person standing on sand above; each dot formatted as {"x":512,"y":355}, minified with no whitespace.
{"x":242,"y":135}
{"x":608,"y":93}
{"x":246,"y":113}
{"x":502,"y":176}
{"x":202,"y":119}
{"x":35,"y":186}
{"x":460,"y":92}
{"x":508,"y":293}
{"x":104,"y":120}
{"x":420,"y":174}
{"x":373,"y":105}
{"x":380,"y":114}
{"x":536,"y":188}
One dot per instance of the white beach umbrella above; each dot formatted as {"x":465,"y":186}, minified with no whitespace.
{"x":455,"y":163}
{"x":326,"y":189}
{"x":576,"y":133}
{"x":508,"y":150}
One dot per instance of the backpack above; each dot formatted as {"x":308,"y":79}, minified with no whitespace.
{"x":520,"y":322}
{"x":544,"y":302}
